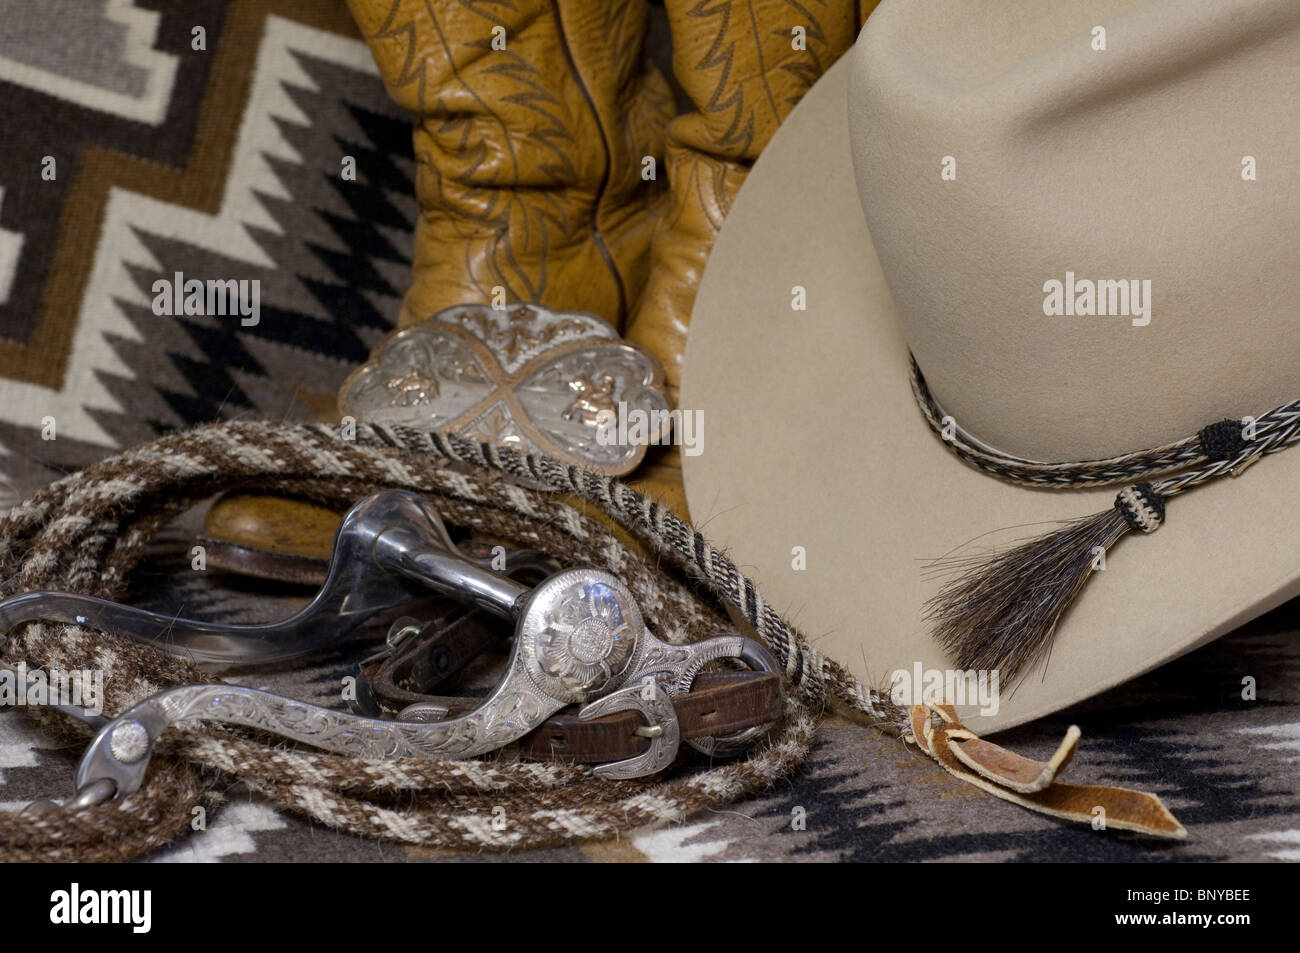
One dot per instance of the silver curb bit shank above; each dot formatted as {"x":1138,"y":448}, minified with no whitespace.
{"x":579,"y":639}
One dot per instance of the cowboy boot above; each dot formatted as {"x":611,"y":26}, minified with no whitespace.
{"x":534,"y":121}
{"x":744,"y":70}
{"x":533,"y":125}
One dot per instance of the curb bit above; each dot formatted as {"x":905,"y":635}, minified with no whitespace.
{"x":579,"y":639}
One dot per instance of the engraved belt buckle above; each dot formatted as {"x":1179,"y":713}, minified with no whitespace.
{"x":579,"y":639}
{"x":559,"y":383}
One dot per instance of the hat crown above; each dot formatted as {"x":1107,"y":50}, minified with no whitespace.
{"x":1087,"y":213}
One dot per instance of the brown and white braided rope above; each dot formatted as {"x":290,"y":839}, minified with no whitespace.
{"x":85,"y":532}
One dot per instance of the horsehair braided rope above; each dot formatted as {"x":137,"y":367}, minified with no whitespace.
{"x":85,"y":532}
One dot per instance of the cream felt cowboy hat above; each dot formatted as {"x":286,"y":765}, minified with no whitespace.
{"x":1081,"y":219}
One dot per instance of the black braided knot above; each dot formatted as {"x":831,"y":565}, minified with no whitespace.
{"x":1222,"y":440}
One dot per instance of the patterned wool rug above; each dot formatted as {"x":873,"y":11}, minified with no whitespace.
{"x":225,"y":162}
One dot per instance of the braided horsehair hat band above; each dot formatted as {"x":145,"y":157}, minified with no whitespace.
{"x":1000,"y":612}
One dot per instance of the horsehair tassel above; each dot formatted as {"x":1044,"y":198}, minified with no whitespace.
{"x":1000,"y":614}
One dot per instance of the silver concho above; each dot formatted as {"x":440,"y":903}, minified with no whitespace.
{"x":582,"y":631}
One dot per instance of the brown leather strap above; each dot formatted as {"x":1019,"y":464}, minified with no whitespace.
{"x":409,"y":673}
{"x":718,"y":703}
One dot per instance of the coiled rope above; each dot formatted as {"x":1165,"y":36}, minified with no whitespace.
{"x":85,"y":532}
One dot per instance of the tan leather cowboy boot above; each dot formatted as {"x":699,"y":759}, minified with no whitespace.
{"x":744,"y":67}
{"x":534,"y":119}
{"x":533,"y":124}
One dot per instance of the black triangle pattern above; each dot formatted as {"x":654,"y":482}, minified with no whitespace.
{"x":338,"y":268}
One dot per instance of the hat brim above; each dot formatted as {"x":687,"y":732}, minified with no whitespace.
{"x":818,"y":475}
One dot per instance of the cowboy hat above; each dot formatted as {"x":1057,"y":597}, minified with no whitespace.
{"x":1080,"y":220}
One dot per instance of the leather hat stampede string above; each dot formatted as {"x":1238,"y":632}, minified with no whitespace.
{"x":1001,"y":612}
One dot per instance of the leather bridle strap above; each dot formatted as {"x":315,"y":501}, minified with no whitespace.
{"x":718,"y":704}
{"x":410,"y":673}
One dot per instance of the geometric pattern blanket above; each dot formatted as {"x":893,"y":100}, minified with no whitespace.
{"x":224,"y":162}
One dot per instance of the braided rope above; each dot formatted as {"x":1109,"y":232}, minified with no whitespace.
{"x":1282,"y":432}
{"x":1273,"y":431}
{"x":85,"y":532}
